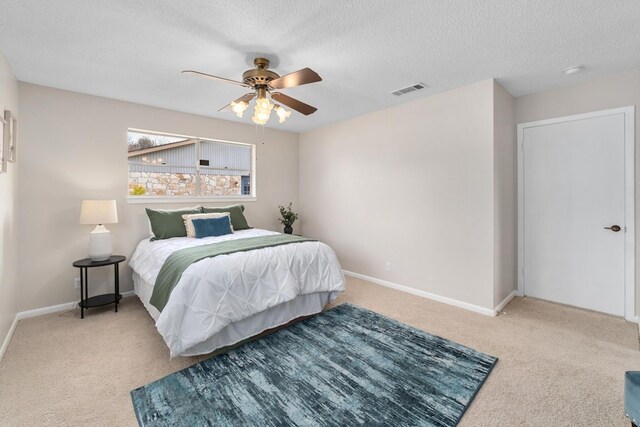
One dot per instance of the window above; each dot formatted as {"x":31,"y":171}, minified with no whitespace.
{"x":172,"y":166}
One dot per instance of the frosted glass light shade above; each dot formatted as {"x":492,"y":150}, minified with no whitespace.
{"x":282,"y":113}
{"x":264,"y":104}
{"x":98,"y":212}
{"x":239,"y":107}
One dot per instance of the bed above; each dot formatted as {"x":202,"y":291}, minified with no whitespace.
{"x":223,"y":300}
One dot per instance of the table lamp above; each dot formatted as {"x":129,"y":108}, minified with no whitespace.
{"x":99,"y":212}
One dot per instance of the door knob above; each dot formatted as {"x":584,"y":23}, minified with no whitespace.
{"x":614,"y":228}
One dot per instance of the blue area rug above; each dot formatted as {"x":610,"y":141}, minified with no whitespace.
{"x":345,"y":366}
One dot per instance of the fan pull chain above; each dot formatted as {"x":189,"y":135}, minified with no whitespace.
{"x":259,"y":133}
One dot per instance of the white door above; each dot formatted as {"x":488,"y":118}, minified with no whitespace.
{"x":573,"y":219}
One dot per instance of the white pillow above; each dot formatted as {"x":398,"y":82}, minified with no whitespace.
{"x":188,"y":220}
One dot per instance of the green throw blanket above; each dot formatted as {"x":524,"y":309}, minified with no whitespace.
{"x":180,"y":260}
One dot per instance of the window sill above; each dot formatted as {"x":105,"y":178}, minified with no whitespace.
{"x":165,"y":200}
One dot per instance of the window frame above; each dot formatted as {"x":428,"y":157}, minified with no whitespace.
{"x":195,"y":199}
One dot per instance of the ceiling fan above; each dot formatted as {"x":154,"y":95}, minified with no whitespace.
{"x":263,"y":82}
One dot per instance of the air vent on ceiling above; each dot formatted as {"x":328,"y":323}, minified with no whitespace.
{"x":409,"y":89}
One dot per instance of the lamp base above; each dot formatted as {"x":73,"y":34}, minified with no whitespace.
{"x":100,"y":248}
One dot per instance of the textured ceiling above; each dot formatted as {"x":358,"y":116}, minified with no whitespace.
{"x":134,"y":50}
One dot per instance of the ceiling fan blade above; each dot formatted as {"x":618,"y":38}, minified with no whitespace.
{"x":297,"y":78}
{"x":290,"y":102}
{"x":244,"y":98}
{"x":210,"y":76}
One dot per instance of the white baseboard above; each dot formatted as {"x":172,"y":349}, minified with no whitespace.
{"x":504,"y":302}
{"x":7,"y":339}
{"x":41,"y":312}
{"x":57,"y":308}
{"x":429,"y":295}
{"x":46,"y":310}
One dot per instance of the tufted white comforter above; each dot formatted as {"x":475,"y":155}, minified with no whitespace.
{"x":215,"y":292}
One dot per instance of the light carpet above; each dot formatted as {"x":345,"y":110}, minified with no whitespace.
{"x":558,"y":365}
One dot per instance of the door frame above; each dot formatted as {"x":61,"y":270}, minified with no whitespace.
{"x":629,"y":197}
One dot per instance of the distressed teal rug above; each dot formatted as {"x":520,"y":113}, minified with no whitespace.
{"x":346,"y":366}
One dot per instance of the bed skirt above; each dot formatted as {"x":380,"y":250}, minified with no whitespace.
{"x":303,"y":305}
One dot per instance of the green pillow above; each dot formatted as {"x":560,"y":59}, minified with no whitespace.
{"x":167,"y":223}
{"x":238,"y":220}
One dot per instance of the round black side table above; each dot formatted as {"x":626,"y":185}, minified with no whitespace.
{"x":84,"y":265}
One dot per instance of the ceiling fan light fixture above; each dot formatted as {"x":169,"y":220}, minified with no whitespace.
{"x":261,"y":118}
{"x":261,"y":115}
{"x":264,"y":104}
{"x":282,"y":113}
{"x":262,"y":111}
{"x":262,"y":81}
{"x":239,"y":108}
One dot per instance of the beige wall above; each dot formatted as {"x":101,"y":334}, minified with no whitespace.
{"x":428,"y":186}
{"x":412,"y":185}
{"x":505,"y":195}
{"x":73,"y":147}
{"x":619,"y":90}
{"x":8,"y":212}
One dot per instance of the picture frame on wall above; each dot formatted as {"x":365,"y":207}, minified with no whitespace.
{"x":12,"y":136}
{"x":3,"y":144}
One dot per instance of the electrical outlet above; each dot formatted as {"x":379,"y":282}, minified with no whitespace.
{"x":76,"y":283}
{"x":387,"y":266}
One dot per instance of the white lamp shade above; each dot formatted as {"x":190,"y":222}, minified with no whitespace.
{"x":98,"y":212}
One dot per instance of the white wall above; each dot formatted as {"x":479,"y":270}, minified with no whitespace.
{"x":8,"y":211}
{"x":505,"y":195}
{"x":73,"y":147}
{"x":412,"y":185}
{"x":619,"y":90}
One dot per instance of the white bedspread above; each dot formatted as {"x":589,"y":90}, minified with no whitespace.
{"x":215,"y":292}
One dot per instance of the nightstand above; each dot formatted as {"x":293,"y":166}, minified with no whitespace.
{"x":84,"y":265}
